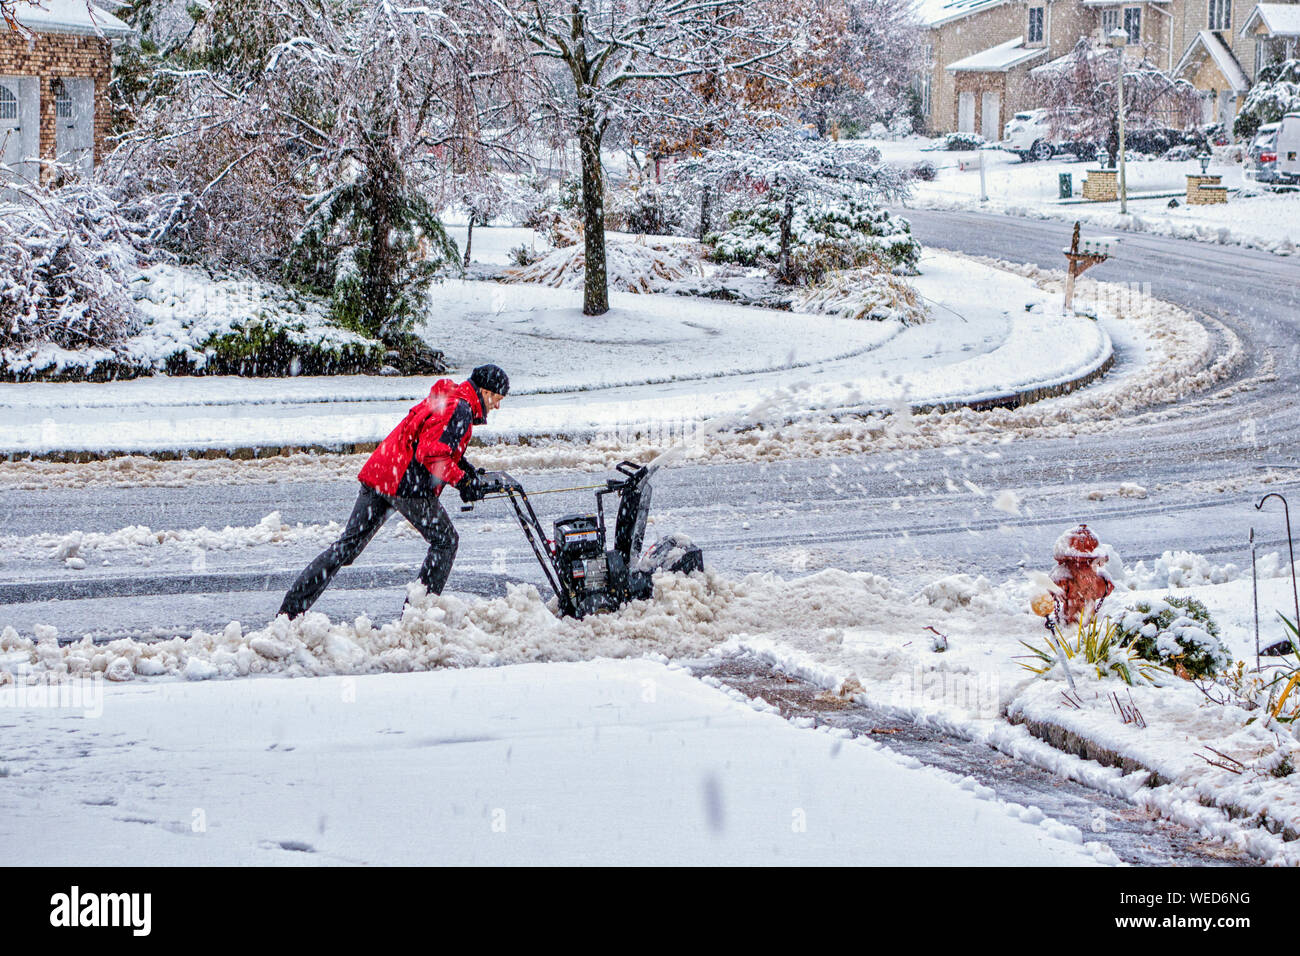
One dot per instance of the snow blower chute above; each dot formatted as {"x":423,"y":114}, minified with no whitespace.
{"x":587,"y":575}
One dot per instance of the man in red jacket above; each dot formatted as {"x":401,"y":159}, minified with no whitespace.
{"x":406,"y":474}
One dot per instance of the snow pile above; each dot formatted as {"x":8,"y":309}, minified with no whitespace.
{"x":1187,"y":569}
{"x":864,"y":294}
{"x":687,"y":616}
{"x":630,"y":266}
{"x":92,"y":545}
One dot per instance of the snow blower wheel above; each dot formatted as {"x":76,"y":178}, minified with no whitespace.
{"x":586,"y":574}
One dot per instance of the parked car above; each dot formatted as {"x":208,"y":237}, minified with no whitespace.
{"x":1261,"y":158}
{"x":1288,"y":149}
{"x":1029,"y":135}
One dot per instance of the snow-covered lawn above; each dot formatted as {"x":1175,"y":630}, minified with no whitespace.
{"x":630,"y":763}
{"x":652,"y":359}
{"x":1253,"y":217}
{"x":299,"y":753}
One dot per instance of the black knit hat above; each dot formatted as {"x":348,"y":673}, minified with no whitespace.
{"x":491,"y":378}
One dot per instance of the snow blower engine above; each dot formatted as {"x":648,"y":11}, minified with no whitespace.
{"x":587,"y":575}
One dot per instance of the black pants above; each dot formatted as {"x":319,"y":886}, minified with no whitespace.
{"x":368,"y":515}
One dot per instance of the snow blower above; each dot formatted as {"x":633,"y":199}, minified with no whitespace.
{"x":588,"y":576}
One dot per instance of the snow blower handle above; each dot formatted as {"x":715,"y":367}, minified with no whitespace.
{"x":491,"y":483}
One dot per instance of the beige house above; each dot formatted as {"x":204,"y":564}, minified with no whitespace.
{"x":54,"y":86}
{"x":979,"y":52}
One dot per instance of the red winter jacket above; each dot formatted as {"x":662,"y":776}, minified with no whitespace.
{"x":423,"y":453}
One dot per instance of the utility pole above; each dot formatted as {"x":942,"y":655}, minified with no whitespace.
{"x":1119,"y":39}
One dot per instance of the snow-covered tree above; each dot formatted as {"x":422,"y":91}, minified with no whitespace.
{"x":317,"y":136}
{"x":644,"y":63}
{"x":1078,"y":90}
{"x":1276,"y":92}
{"x":66,"y":257}
{"x":853,"y":59}
{"x":788,"y":184}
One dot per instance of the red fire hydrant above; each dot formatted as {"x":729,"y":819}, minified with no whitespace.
{"x":1080,"y":575}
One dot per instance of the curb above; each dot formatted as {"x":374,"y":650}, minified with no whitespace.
{"x":1009,"y":400}
{"x":1069,"y":742}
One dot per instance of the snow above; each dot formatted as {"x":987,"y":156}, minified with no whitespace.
{"x":1218,"y":51}
{"x":998,"y":58}
{"x":70,"y":16}
{"x":653,"y":358}
{"x":858,"y":634}
{"x":1279,"y":19}
{"x":594,"y":763}
{"x":932,"y":13}
{"x":1252,"y":216}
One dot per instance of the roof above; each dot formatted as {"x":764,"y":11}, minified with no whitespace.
{"x":69,"y":16}
{"x":1279,"y":19}
{"x":933,"y":13}
{"x":998,"y":59}
{"x":1218,"y":51}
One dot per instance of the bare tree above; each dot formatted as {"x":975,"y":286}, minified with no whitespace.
{"x":1078,"y":90}
{"x":319,"y":134}
{"x":9,"y":14}
{"x":649,"y":63}
{"x":855,"y":59}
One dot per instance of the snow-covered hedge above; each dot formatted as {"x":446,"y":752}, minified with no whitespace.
{"x":65,"y":259}
{"x":960,"y":142}
{"x":870,"y":293}
{"x":828,"y":234}
{"x":1176,"y":631}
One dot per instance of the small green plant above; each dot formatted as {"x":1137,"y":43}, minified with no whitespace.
{"x":1177,"y":632}
{"x":522,"y":256}
{"x":1097,"y":643}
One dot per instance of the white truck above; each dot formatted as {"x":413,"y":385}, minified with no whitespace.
{"x":1288,"y":149}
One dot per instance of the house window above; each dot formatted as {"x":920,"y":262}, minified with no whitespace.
{"x":62,"y":100}
{"x":1133,"y":24}
{"x":1220,"y":14}
{"x":1035,"y":34}
{"x":8,"y":104}
{"x":1109,"y":22}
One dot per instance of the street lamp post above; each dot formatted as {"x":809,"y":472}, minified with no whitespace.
{"x":1119,"y":39}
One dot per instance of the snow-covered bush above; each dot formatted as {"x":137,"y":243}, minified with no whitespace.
{"x":647,"y":208}
{"x":924,"y":170}
{"x":66,"y":257}
{"x":1276,"y":92}
{"x":870,"y":293}
{"x":631,"y":266}
{"x":955,"y":142}
{"x":828,"y":233}
{"x":791,"y":197}
{"x":1097,"y":642}
{"x":1178,"y":632}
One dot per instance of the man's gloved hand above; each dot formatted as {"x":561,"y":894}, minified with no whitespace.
{"x":469,"y":485}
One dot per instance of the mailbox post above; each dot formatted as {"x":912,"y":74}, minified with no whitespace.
{"x":1083,"y":257}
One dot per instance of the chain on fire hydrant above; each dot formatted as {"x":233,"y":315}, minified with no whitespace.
{"x":1080,"y":575}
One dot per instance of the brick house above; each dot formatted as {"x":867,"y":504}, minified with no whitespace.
{"x":979,"y":52}
{"x":54,"y":86}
